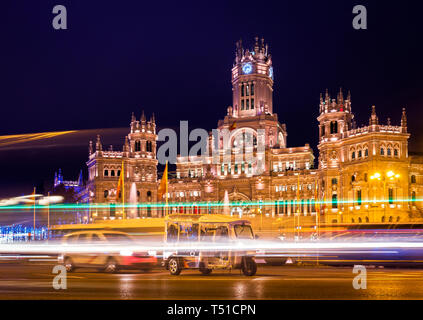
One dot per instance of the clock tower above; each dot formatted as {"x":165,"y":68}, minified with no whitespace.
{"x":252,"y":81}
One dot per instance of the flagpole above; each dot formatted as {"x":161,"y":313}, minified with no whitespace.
{"x":298,"y":206}
{"x":167,"y":193}
{"x":48,"y":215}
{"x":34,"y":213}
{"x":123,"y":192}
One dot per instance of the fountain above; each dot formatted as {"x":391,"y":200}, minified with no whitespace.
{"x":226,"y":209}
{"x":133,"y":201}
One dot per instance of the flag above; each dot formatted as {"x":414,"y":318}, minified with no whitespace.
{"x":316,"y":200}
{"x":163,"y":185}
{"x":233,"y":126}
{"x":120,"y":183}
{"x":33,"y":194}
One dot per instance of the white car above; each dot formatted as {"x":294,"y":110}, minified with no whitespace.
{"x":103,"y":259}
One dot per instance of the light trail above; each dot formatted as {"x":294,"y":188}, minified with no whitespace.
{"x":43,"y":201}
{"x":256,"y":246}
{"x":8,"y":140}
{"x":206,"y":204}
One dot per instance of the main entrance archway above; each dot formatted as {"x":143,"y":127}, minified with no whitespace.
{"x":239,"y":204}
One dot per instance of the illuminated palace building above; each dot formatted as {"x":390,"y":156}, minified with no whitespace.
{"x":364,"y":174}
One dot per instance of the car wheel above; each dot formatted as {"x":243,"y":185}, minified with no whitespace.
{"x":111,"y":266}
{"x":204,"y":270}
{"x":249,"y":267}
{"x":69,"y":265}
{"x":174,"y":267}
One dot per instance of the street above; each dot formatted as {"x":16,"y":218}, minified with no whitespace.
{"x":34,"y":281}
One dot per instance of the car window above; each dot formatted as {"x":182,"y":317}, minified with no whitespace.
{"x":243,"y":231}
{"x":222,"y":233}
{"x":83,"y":237}
{"x":117,"y":237}
{"x":95,"y":238}
{"x":72,"y":238}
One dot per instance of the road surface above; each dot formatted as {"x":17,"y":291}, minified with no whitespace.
{"x":34,"y":281}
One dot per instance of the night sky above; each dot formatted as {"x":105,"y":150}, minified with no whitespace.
{"x":174,"y":59}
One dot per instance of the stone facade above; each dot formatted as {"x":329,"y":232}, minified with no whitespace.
{"x":364,"y":174}
{"x":140,"y":171}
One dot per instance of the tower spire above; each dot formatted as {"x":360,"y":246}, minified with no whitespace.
{"x":80,"y":179}
{"x":404,"y":120}
{"x":98,"y":146}
{"x":340,"y":96}
{"x":256,"y":45}
{"x":374,"y":120}
{"x":142,"y":116}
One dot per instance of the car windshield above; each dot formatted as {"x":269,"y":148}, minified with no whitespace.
{"x":243,"y":231}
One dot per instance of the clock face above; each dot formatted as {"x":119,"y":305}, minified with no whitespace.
{"x":271,"y":72}
{"x":247,"y":68}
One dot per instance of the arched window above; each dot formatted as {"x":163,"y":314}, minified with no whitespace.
{"x":353,"y":155}
{"x":137,"y":146}
{"x":413,"y":179}
{"x":366,"y":152}
{"x":106,"y":173}
{"x":396,"y":153}
{"x":333,"y":127}
{"x":334,"y":201}
{"x":367,"y":219}
{"x":359,"y":220}
{"x":334,"y":181}
{"x":390,"y":219}
{"x":112,"y":173}
{"x":383,"y":219}
{"x":389,"y":153}
{"x":149,"y":146}
{"x":382,"y":151}
{"x":106,"y":194}
{"x":352,"y":178}
{"x":352,"y":220}
{"x":360,"y":154}
{"x":398,"y":219}
{"x":391,"y":195}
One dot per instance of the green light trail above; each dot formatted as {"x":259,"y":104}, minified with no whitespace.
{"x":70,"y":206}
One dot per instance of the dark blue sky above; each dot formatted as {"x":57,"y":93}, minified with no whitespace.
{"x":174,"y":58}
